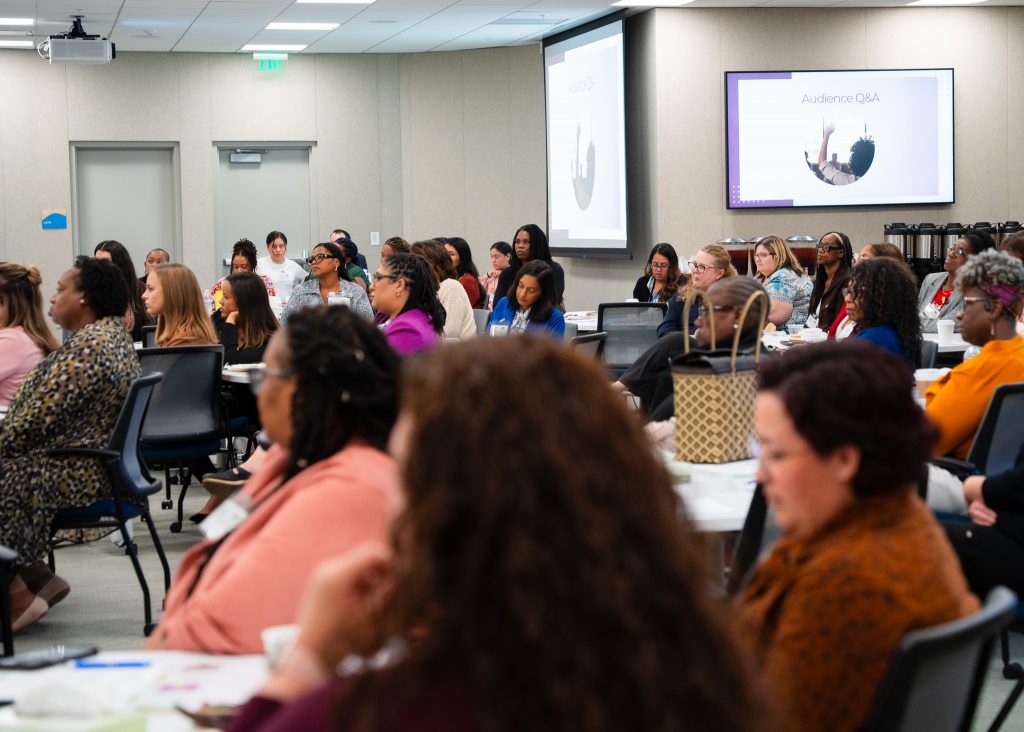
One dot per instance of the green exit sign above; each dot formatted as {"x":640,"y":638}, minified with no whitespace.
{"x":271,"y":64}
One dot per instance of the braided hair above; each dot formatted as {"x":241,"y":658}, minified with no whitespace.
{"x":346,"y":378}
{"x":421,"y":285}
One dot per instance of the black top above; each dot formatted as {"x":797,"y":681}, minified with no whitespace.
{"x":830,"y":299}
{"x":227,"y":333}
{"x":1004,"y":494}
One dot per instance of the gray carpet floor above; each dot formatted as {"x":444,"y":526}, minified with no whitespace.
{"x":105,"y":604}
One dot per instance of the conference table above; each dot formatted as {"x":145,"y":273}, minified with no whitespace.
{"x":715,"y":497}
{"x":144,"y":686}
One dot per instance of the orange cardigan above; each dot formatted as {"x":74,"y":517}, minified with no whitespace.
{"x":257,"y":576}
{"x":824,"y":614}
{"x":957,"y":401}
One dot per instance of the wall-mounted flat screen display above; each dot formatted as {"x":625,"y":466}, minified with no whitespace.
{"x":839,"y":138}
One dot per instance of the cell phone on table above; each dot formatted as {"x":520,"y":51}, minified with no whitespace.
{"x":31,"y":660}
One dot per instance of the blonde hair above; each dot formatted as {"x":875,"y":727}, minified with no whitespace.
{"x":184,"y":311}
{"x":722,"y":260}
{"x":781,"y":252}
{"x":23,"y":302}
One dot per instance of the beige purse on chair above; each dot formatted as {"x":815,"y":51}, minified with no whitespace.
{"x":714,"y":390}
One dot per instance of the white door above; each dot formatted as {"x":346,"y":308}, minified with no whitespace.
{"x":254,"y":199}
{"x":126,"y":194}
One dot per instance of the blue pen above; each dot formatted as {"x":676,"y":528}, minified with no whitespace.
{"x":86,"y":663}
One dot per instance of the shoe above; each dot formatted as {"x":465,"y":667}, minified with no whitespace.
{"x":26,"y":609}
{"x":45,"y":584}
{"x":198,"y":518}
{"x":54,"y":591}
{"x":226,"y":482}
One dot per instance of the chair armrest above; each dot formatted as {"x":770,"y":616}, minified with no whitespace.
{"x":8,"y":556}
{"x":95,"y":452}
{"x":960,"y":468}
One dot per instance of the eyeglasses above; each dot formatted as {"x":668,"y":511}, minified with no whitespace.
{"x":849,"y":292}
{"x":259,"y":375}
{"x":661,"y":265}
{"x":956,"y":251}
{"x":972,"y":300}
{"x":769,"y":458}
{"x":829,"y":248}
{"x":701,"y":268}
{"x":763,"y":255}
{"x":382,"y":276}
{"x":319,"y":258}
{"x":702,"y":312}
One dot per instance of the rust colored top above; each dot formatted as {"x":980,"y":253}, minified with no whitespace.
{"x":826,"y":613}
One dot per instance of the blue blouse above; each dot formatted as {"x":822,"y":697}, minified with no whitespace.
{"x":503,"y":315}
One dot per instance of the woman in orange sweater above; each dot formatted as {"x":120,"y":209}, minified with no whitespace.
{"x":327,"y":398}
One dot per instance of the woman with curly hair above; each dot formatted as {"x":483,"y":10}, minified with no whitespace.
{"x":540,"y":594}
{"x":881,"y":299}
{"x":835,"y":258}
{"x":72,"y":397}
{"x":135,"y":316}
{"x":25,"y":338}
{"x":243,"y":259}
{"x":328,"y":397}
{"x":661,"y":277}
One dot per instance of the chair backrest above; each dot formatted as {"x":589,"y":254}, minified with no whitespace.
{"x":185,"y":405}
{"x":592,"y":343}
{"x":480,"y":317}
{"x":929,"y":352}
{"x":125,"y":436}
{"x":934,"y":680}
{"x":631,"y":327}
{"x":149,"y":336}
{"x":571,"y":330}
{"x":999,"y":436}
{"x":758,"y":535}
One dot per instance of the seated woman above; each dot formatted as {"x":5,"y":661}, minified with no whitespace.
{"x":861,"y":561}
{"x":394,"y":245}
{"x":404,"y":291}
{"x":72,"y":398}
{"x":243,"y":259}
{"x":327,"y":399}
{"x":459,"y":322}
{"x":532,"y":305}
{"x":834,"y":260}
{"x":529,"y":243}
{"x":783,"y":278}
{"x":173,"y":297}
{"x":501,"y":259}
{"x":282,"y":271}
{"x":710,"y":264}
{"x":355,"y":273}
{"x":25,"y":338}
{"x":842,"y":327}
{"x":135,"y":316}
{"x":881,"y":299}
{"x":938,"y":298}
{"x":462,"y":259}
{"x":661,"y":277}
{"x":327,"y":267}
{"x":991,"y":285}
{"x":495,"y":618}
{"x":245,"y":321}
{"x":650,"y":376}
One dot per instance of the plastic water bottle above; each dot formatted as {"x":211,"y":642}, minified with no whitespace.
{"x":208,"y":301}
{"x":971,"y":351}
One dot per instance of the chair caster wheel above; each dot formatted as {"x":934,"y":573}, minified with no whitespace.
{"x":1013,"y":671}
{"x":176,"y":527}
{"x":127,"y":549}
{"x":147,"y":629}
{"x":166,"y":504}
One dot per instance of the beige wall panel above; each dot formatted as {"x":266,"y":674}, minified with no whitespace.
{"x":198,"y":163}
{"x":435,"y":180}
{"x":36,"y":163}
{"x":348,"y":169}
{"x":529,"y":146}
{"x":248,"y":104}
{"x":830,"y":40}
{"x":134,"y":98}
{"x":1015,"y":114}
{"x":391,"y":153}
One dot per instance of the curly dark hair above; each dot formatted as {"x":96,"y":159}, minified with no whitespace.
{"x":346,"y":378}
{"x":862,"y":154}
{"x":541,"y":310}
{"x":562,"y":594}
{"x":886,"y":294}
{"x":436,"y":256}
{"x":422,"y":286}
{"x":122,"y":259}
{"x":852,"y":393}
{"x":103,"y":285}
{"x":979,"y":241}
{"x":245,"y":248}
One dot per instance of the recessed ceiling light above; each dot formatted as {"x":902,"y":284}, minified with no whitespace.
{"x":302,"y":26}
{"x":651,"y":3}
{"x":17,"y":21}
{"x":945,"y":2}
{"x":338,"y":2}
{"x":17,"y":44}
{"x":273,"y":47}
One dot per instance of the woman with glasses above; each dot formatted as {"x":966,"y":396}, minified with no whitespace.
{"x":861,"y":561}
{"x":880,"y":299}
{"x":835,"y":257}
{"x":661,"y":277}
{"x":283,"y":272}
{"x":329,"y":276}
{"x":784,"y":279}
{"x":938,"y":298}
{"x":328,"y":397}
{"x":710,"y":264}
{"x":404,"y":291}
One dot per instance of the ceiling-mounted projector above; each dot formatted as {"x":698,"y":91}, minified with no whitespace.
{"x":77,"y":47}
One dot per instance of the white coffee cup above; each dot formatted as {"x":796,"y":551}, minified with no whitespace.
{"x":945,"y":331}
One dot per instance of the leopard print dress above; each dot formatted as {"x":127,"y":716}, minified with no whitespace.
{"x":72,"y":398}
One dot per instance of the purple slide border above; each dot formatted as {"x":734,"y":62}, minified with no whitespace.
{"x":732,"y":93}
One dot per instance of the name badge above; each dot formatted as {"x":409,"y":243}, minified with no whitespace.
{"x":931,"y":312}
{"x":499,"y":330}
{"x":223,"y":520}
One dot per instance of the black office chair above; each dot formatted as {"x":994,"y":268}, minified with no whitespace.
{"x":934,"y":681}
{"x":184,"y":419}
{"x":130,"y":484}
{"x":929,"y":352}
{"x":149,"y":336}
{"x":8,"y":566}
{"x":758,"y":535}
{"x":631,"y":327}
{"x":480,"y":318}
{"x":589,"y":343}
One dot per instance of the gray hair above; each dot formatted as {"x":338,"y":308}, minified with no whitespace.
{"x":997,"y":274}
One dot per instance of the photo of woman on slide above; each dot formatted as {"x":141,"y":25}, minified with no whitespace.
{"x":833,"y":172}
